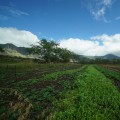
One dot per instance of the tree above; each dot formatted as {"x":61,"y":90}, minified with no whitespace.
{"x":51,"y":52}
{"x":64,"y":54}
{"x":46,"y":49}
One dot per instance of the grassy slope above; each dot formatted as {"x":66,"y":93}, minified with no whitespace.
{"x":94,"y":97}
{"x":11,"y":52}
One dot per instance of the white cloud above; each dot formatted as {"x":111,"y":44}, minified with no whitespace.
{"x":106,"y":38}
{"x":20,"y":38}
{"x":17,"y":12}
{"x":97,"y":45}
{"x":98,"y":8}
{"x":12,"y":11}
{"x":99,"y":13}
{"x":78,"y":46}
{"x":107,"y":2}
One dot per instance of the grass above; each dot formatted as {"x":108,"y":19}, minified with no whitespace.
{"x":62,"y":91}
{"x":39,"y":91}
{"x":109,"y":73}
{"x":94,"y":97}
{"x":10,"y":73}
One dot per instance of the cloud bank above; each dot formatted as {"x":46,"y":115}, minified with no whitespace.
{"x":20,"y":38}
{"x":95,"y":46}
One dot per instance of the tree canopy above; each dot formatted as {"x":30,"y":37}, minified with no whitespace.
{"x":51,"y":52}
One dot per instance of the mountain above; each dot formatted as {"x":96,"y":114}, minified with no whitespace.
{"x":13,"y":50}
{"x":108,"y":56}
{"x":21,"y":50}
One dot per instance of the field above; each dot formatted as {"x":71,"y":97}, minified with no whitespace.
{"x":59,"y":91}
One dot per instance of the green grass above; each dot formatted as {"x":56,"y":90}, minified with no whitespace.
{"x":48,"y":93}
{"x":9,"y":72}
{"x":51,"y":77}
{"x":109,"y":73}
{"x":75,"y":92}
{"x":94,"y":97}
{"x":40,"y":97}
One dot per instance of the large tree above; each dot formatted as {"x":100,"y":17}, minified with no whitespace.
{"x":51,"y":52}
{"x":46,"y":49}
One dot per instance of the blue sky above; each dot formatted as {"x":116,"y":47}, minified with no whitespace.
{"x":59,"y":18}
{"x":62,"y":19}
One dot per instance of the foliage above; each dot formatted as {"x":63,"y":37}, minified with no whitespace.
{"x":94,"y":97}
{"x":27,"y":85}
{"x":108,"y":73}
{"x":57,"y":91}
{"x":50,"y":52}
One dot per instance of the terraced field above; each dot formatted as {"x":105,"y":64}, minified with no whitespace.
{"x":59,"y":92}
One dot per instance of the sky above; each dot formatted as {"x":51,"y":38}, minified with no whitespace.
{"x":86,"y":27}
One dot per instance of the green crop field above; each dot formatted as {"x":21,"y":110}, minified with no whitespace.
{"x":32,"y":91}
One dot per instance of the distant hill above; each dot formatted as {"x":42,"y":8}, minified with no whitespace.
{"x":21,"y":50}
{"x":84,"y":58}
{"x":12,"y":50}
{"x":110,"y":56}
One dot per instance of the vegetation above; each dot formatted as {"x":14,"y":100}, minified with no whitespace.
{"x":40,"y":90}
{"x":107,"y":73}
{"x":93,"y":97}
{"x":51,"y":52}
{"x":29,"y":90}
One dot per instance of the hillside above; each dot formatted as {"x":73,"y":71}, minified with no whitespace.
{"x":21,"y":50}
{"x":108,"y":56}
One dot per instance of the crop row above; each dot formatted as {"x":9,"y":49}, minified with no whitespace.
{"x":93,"y":97}
{"x":40,"y":92}
{"x":112,"y":75}
{"x":12,"y":76}
{"x":86,"y":92}
{"x":112,"y":67}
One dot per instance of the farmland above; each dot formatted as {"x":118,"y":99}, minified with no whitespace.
{"x":62,"y":91}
